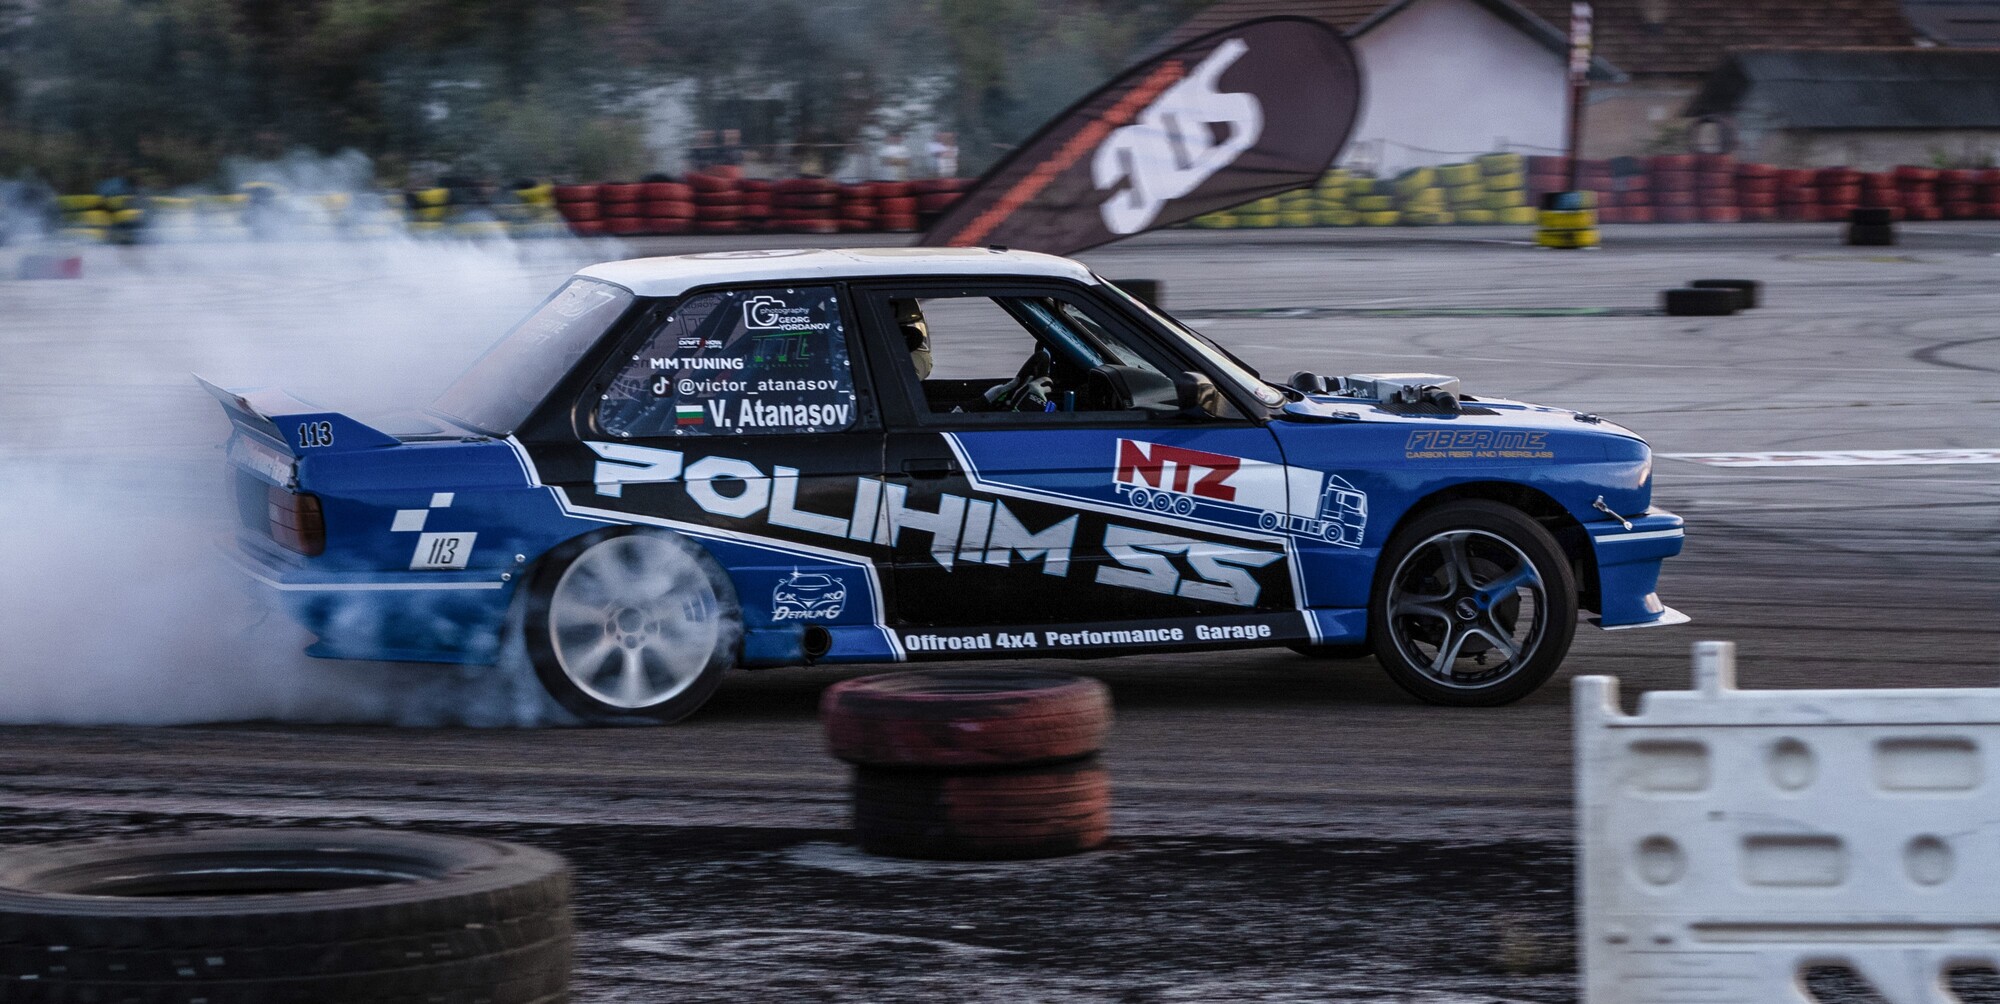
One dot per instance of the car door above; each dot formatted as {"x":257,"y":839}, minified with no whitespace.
{"x":1073,"y":518}
{"x":741,"y":418}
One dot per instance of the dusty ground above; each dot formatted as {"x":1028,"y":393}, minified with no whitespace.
{"x":1289,"y":830}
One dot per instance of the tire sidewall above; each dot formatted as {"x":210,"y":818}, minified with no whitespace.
{"x":1558,"y":587}
{"x":533,"y":631}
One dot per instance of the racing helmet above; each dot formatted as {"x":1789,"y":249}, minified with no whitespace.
{"x":916,"y":334}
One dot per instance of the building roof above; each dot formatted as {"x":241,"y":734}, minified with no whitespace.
{"x":1639,"y":37}
{"x":1906,"y":88}
{"x":672,"y":275}
{"x":1956,"y":22}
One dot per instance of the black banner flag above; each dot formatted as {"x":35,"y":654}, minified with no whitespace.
{"x":1253,"y":110}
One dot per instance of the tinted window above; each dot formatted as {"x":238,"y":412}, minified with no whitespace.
{"x":741,"y":363}
{"x":504,"y":386}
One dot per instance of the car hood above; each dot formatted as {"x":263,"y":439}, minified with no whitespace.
{"x":1483,"y":411}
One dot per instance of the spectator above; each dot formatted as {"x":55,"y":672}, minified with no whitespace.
{"x":943,"y":151}
{"x":730,"y":151}
{"x":892,"y":160}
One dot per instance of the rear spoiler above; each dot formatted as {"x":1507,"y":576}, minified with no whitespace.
{"x":293,"y":425}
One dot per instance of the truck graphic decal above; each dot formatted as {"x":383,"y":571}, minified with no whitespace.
{"x":1177,"y":481}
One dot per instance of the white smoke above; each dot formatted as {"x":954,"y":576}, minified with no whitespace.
{"x":115,"y":606}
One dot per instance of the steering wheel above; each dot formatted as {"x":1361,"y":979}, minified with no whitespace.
{"x":1038,"y":366}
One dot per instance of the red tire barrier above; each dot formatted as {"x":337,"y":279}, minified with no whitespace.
{"x":806,"y":186}
{"x":579,"y":212}
{"x":1673,"y":181}
{"x":624,"y":226}
{"x":1909,"y":172}
{"x":668,"y":210}
{"x":1711,"y":162}
{"x":1675,"y":198}
{"x":1716,"y":197}
{"x":718,"y":226}
{"x":717,"y":213}
{"x":1671,"y":162}
{"x":620,"y":193}
{"x":711,"y":183}
{"x":669,"y":225}
{"x":666,"y":191}
{"x":1638,"y":214}
{"x":1757,"y":200}
{"x":587,"y":228}
{"x":898,"y":224}
{"x":1676,"y":214}
{"x":803,"y":200}
{"x":893,"y":189}
{"x":965,"y":718}
{"x":898,"y":206}
{"x":823,"y":226}
{"x":1025,"y":813}
{"x":1832,"y":195}
{"x":1721,"y":214}
{"x":576,"y":193}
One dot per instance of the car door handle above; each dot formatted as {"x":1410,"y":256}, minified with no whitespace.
{"x":930,"y":467}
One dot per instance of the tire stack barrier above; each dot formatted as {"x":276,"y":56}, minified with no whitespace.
{"x":934,"y":196}
{"x":1839,"y":192}
{"x":759,"y":203}
{"x":1567,"y":220}
{"x":666,"y":207}
{"x":1958,"y":194}
{"x":622,"y":205}
{"x":1989,"y":193}
{"x":896,"y":206}
{"x":718,"y":200}
{"x":578,"y":206}
{"x":973,"y":764}
{"x":858,"y":213}
{"x":1630,"y":198}
{"x":1798,"y":199}
{"x":1918,"y":188}
{"x":1870,"y":227}
{"x":1506,"y":180}
{"x":84,"y":217}
{"x":808,"y":206}
{"x":1715,"y":188}
{"x":243,"y":916}
{"x":1419,"y":198}
{"x":1331,"y":206}
{"x":1879,"y":191}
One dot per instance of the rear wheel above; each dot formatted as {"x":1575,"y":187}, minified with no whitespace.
{"x":1474,"y":605}
{"x":630,"y":624}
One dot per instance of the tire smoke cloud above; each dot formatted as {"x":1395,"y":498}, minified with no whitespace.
{"x":117,"y":607}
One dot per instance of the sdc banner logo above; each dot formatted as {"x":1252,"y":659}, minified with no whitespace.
{"x":1253,"y":110}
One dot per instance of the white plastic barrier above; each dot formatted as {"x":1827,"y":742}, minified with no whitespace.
{"x":1729,"y":840}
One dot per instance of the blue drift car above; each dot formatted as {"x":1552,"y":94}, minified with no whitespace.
{"x":766,"y":458}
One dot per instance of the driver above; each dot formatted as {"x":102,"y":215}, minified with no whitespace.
{"x":916,"y":335}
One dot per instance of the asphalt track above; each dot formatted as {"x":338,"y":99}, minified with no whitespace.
{"x":1290,"y":829}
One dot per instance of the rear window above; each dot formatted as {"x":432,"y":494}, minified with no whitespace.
{"x":500,"y":390}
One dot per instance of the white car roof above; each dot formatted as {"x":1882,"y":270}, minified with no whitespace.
{"x":672,"y":275}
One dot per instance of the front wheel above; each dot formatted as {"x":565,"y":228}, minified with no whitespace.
{"x":630,"y":625}
{"x":1474,"y":605}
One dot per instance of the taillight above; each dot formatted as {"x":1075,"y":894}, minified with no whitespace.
{"x":295,"y":520}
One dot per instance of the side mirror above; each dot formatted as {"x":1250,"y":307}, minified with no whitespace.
{"x":1196,"y":395}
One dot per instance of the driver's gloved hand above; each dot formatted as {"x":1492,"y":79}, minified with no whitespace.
{"x":1014,"y":395}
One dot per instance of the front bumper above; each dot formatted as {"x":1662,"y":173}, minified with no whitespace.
{"x":451,"y":617}
{"x":1628,"y":569}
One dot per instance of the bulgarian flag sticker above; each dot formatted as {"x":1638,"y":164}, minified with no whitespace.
{"x":687,"y":414}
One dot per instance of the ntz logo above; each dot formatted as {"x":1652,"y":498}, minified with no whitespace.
{"x":1176,"y":469}
{"x":764,"y":312}
{"x":1172,"y":147}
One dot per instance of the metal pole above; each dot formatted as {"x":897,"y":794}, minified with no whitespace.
{"x":1579,"y":82}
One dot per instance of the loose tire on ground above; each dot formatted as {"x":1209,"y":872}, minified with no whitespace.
{"x":965,"y":718}
{"x":1699,"y":302}
{"x":1749,"y":291}
{"x":628,"y":624}
{"x":250,"y":916}
{"x":1030,"y":812}
{"x":1420,"y":611}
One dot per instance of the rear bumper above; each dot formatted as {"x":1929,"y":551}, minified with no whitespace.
{"x":452,"y":617}
{"x":1628,"y":569}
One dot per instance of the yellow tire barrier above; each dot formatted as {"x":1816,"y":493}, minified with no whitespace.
{"x":1298,"y":218}
{"x":172,"y":203}
{"x":1381,"y":219}
{"x":1339,"y":217}
{"x":79,"y":203}
{"x":1426,"y":218}
{"x":1566,"y":238}
{"x":1504,"y":182}
{"x":127,"y":217}
{"x":1459,"y":174}
{"x":1374,"y":203}
{"x":1516,"y":215}
{"x":1514,"y":199}
{"x":1360,"y":187}
{"x":1329,"y":205}
{"x":1477,"y":216}
{"x":433,"y":197}
{"x":1258,"y":220}
{"x":93,"y":218}
{"x":1430,"y":199}
{"x":1567,"y":219}
{"x":1467,"y":195}
{"x":1501,"y":163}
{"x":1415,"y":180}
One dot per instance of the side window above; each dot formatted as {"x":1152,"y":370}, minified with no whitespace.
{"x":744,"y":363}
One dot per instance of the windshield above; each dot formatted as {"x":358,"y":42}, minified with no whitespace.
{"x":504,"y":386}
{"x":1222,"y":361}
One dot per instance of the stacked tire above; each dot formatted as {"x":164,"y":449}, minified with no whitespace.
{"x":1671,"y":178}
{"x":759,"y":204}
{"x":667,"y":207}
{"x":1989,"y":193}
{"x":256,"y":916}
{"x":1839,"y":192}
{"x":1798,"y":199}
{"x":895,"y":206}
{"x":622,"y":209}
{"x":807,"y":206}
{"x":718,"y":200}
{"x":577,"y":205}
{"x":934,"y":196}
{"x":1630,"y":198}
{"x":1505,"y":179}
{"x":973,"y":764}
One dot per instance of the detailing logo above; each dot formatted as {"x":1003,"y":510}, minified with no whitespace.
{"x":1171,"y":149}
{"x":808,"y":596}
{"x":764,"y":312}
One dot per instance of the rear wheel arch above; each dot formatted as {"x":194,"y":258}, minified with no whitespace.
{"x":1539,"y":506}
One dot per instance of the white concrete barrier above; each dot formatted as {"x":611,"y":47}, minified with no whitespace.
{"x":1729,"y":840}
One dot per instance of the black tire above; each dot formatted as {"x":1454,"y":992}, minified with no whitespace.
{"x":1749,"y":291}
{"x":1028,"y":812}
{"x":683,"y":639}
{"x":1874,"y":216}
{"x":1698,"y":302}
{"x":248,"y":916}
{"x":1359,"y":650}
{"x":1499,"y":541}
{"x":1874,"y":235}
